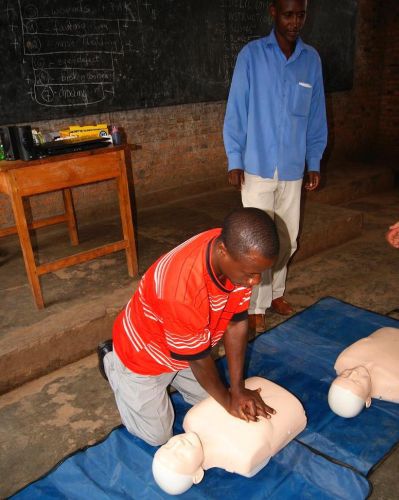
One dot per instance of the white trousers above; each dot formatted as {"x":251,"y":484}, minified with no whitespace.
{"x":282,"y":201}
{"x":143,"y":401}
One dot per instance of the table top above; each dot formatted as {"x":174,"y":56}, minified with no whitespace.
{"x":8,"y":165}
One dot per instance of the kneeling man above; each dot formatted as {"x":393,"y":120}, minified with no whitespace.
{"x":185,"y":303}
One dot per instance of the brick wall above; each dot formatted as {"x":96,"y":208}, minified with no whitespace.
{"x":389,"y":107}
{"x":182,"y":150}
{"x":353,"y":115}
{"x":182,"y":153}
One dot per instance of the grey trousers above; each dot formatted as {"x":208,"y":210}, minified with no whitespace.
{"x":143,"y":401}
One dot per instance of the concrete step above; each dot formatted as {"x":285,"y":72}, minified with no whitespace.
{"x":325,"y":226}
{"x":345,"y":181}
{"x":82,"y":301}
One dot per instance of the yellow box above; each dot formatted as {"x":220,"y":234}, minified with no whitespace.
{"x":86,"y":131}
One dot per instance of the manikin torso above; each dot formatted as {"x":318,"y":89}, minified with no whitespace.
{"x":379,"y":354}
{"x":238,"y":446}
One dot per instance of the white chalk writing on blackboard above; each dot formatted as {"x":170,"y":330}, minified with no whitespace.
{"x":72,"y":49}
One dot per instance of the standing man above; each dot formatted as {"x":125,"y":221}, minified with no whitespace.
{"x":185,"y":303}
{"x":275,"y":123}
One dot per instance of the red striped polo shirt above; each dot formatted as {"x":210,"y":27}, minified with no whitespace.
{"x":179,"y":311}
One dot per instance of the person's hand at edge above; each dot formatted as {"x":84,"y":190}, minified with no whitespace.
{"x":392,"y":236}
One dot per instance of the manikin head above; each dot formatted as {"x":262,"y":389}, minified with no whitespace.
{"x":350,"y":391}
{"x":177,"y":464}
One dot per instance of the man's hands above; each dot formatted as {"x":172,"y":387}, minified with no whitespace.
{"x":312,"y":181}
{"x":236,"y":178}
{"x":248,"y":405}
{"x":238,"y":401}
{"x":241,"y":402}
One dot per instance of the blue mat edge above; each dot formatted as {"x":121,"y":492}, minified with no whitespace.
{"x":328,"y":297}
{"x":120,"y":426}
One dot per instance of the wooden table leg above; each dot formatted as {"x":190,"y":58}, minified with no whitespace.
{"x":71,"y":217}
{"x":26,"y":246}
{"x":127,"y":223}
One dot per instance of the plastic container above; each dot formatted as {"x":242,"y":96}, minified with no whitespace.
{"x":116,"y":136}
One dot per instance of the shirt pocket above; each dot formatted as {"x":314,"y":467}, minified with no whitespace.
{"x":301,"y":99}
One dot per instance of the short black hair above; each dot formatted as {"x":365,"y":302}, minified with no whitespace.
{"x":248,"y":229}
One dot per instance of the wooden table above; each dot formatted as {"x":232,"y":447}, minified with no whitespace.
{"x":19,"y":179}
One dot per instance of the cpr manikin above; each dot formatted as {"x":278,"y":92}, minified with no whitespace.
{"x":367,"y":369}
{"x":214,"y":438}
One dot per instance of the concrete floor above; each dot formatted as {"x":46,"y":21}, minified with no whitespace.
{"x":52,"y":416}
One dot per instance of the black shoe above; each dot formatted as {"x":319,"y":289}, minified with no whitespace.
{"x":103,"y":349}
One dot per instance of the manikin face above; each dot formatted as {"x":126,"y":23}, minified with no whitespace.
{"x":182,"y":453}
{"x":177,"y":464}
{"x":289,"y":17}
{"x":358,"y":381}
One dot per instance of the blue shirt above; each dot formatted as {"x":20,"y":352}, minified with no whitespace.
{"x":276,"y":115}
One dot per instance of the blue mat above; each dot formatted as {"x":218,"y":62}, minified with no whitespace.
{"x":299,"y":355}
{"x":120,"y":467}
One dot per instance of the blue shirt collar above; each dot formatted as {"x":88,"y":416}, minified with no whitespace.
{"x":299,"y":47}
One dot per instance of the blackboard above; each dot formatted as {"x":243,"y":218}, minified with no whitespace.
{"x":68,"y":59}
